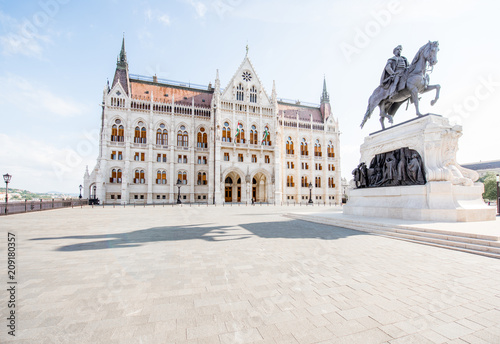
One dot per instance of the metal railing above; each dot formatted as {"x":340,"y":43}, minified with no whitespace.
{"x":16,"y":207}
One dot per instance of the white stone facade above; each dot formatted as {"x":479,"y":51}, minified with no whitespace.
{"x":152,"y":134}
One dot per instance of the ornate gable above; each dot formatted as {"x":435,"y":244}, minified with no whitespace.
{"x":246,"y":86}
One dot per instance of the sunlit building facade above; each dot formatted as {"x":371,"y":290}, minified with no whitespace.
{"x":219,"y":145}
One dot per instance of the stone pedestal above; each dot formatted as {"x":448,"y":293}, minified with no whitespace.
{"x":450,"y":193}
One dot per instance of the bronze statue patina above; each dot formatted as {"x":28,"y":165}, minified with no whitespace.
{"x":401,"y":82}
{"x":399,"y":167}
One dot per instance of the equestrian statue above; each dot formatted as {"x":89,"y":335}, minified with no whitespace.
{"x":401,"y":82}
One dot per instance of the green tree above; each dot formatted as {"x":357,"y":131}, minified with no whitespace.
{"x":490,"y":186}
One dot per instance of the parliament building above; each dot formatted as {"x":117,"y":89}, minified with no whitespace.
{"x":219,"y":145}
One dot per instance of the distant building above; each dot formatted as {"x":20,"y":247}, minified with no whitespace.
{"x":484,"y":167}
{"x":223,"y":145}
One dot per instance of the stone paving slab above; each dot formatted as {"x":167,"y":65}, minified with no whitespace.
{"x":241,"y":274}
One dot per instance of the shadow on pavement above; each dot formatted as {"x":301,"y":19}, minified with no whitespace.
{"x":293,"y":229}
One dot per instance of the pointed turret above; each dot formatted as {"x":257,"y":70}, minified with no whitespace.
{"x":121,"y":72}
{"x":325,"y":102}
{"x":325,"y":97}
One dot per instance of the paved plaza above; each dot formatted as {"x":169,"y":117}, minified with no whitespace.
{"x":240,"y":274}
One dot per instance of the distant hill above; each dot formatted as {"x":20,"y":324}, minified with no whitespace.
{"x":21,"y":195}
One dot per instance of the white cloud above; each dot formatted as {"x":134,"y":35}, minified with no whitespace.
{"x":165,"y":19}
{"x":34,"y":98}
{"x":21,"y":38}
{"x":162,"y":18}
{"x":200,"y":7}
{"x":40,"y":166}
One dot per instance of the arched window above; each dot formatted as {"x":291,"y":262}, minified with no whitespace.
{"x":112,"y":177}
{"x":289,"y":146}
{"x":239,"y":136}
{"x":182,"y":176}
{"x":240,"y":95}
{"x":317,"y":182}
{"x":329,"y":148}
{"x":253,"y":95}
{"x":253,"y":135}
{"x":121,"y":133}
{"x":289,"y":181}
{"x":114,"y":133}
{"x":201,"y":141}
{"x":331,"y":183}
{"x":139,"y":177}
{"x":266,"y":137}
{"x":161,"y":177}
{"x":317,"y":149}
{"x":162,"y":135}
{"x":117,"y":132}
{"x":202,"y":178}
{"x":228,"y":180}
{"x":304,"y":182}
{"x":303,"y":148}
{"x":182,"y":138}
{"x":140,"y":133}
{"x":226,"y":133}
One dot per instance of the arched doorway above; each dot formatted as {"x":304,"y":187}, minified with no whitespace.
{"x":232,"y":187}
{"x":228,"y":190}
{"x":259,"y":184}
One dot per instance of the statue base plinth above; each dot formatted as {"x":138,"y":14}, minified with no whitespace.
{"x":450,"y":193}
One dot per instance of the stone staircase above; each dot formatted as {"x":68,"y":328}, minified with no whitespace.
{"x":486,"y":245}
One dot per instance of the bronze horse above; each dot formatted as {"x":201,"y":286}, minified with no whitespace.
{"x":416,"y":81}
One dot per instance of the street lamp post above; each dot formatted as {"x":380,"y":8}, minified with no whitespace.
{"x":498,"y":193}
{"x":310,"y":193}
{"x":6,"y":178}
{"x":179,"y":183}
{"x":81,"y":187}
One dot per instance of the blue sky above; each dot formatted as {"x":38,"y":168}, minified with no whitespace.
{"x":56,"y":55}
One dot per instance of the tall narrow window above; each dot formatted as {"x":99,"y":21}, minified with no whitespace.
{"x":317,"y":182}
{"x":182,"y":176}
{"x":239,"y":92}
{"x":304,"y":182}
{"x":114,"y":133}
{"x":253,"y":95}
{"x":161,"y":177}
{"x":201,"y":141}
{"x":112,"y":178}
{"x":317,"y":149}
{"x":119,"y":176}
{"x":289,"y":181}
{"x":289,"y":146}
{"x":330,"y":152}
{"x":226,"y":133}
{"x":253,"y":135}
{"x":121,"y":134}
{"x":303,"y":148}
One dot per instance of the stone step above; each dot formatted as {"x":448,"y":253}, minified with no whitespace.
{"x":466,"y":242}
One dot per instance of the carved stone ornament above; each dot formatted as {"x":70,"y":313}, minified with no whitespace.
{"x":399,"y":167}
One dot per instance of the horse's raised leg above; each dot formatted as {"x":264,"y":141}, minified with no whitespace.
{"x":434,"y":87}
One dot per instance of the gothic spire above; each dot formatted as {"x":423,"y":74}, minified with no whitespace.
{"x":325,"y":97}
{"x":122,"y":58}
{"x":121,"y":72}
